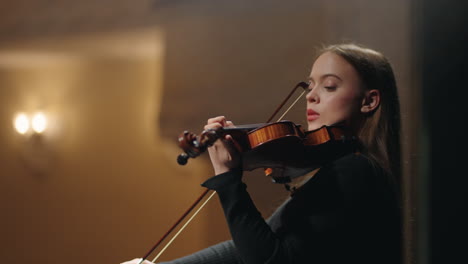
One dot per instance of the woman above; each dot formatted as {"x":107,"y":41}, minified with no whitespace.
{"x":349,"y":211}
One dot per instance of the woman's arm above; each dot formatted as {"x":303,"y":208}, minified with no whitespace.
{"x":253,"y":238}
{"x":222,"y":253}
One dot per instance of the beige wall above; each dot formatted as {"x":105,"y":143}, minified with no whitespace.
{"x":100,"y":185}
{"x":121,"y":79}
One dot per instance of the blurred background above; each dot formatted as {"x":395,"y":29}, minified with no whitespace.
{"x":93,"y":95}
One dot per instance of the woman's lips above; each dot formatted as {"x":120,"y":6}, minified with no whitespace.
{"x":312,"y":115}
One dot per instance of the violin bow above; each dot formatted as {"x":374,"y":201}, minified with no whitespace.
{"x":304,"y":86}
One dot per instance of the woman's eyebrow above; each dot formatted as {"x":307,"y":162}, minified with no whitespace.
{"x":311,"y":79}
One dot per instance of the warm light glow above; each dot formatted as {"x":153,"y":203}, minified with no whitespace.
{"x":39,"y":122}
{"x":21,"y":123}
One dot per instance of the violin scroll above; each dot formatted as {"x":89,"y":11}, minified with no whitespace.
{"x":194,"y":145}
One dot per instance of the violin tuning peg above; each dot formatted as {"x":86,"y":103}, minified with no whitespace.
{"x":182,"y":159}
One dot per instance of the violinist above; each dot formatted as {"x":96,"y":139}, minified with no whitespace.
{"x":349,"y":210}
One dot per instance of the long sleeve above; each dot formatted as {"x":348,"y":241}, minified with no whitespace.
{"x":252,"y":236}
{"x":222,"y":253}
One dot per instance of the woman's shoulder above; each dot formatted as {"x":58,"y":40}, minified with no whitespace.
{"x":353,"y":181}
{"x":355,"y":163}
{"x":355,"y":170}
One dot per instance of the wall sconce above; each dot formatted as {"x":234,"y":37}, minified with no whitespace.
{"x":23,"y":123}
{"x":34,"y":150}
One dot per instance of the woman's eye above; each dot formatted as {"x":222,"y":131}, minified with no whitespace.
{"x":330,"y":87}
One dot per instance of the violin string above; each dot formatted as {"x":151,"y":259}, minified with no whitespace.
{"x":183,"y":227}
{"x":291,"y":106}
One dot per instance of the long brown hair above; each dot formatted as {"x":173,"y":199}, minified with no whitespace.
{"x":380,"y":132}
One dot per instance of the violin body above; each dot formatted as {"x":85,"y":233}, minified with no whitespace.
{"x":283,"y":148}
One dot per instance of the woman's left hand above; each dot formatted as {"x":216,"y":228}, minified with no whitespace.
{"x":224,"y":153}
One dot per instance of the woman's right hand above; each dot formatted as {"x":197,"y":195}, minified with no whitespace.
{"x":137,"y":261}
{"x":224,"y":153}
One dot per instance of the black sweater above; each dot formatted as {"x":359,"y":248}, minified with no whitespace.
{"x":347,"y":213}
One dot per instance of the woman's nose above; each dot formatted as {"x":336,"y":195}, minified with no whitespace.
{"x":312,"y":95}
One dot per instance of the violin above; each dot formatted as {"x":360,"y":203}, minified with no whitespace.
{"x":282,"y":148}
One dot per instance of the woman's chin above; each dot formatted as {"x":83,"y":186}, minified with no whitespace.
{"x":313,"y":126}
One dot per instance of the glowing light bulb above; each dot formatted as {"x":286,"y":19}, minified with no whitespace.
{"x":21,"y":123}
{"x":39,"y":122}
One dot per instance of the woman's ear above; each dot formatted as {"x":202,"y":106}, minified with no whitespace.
{"x":371,"y":101}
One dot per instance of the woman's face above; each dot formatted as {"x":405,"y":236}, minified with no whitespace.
{"x":335,"y":92}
